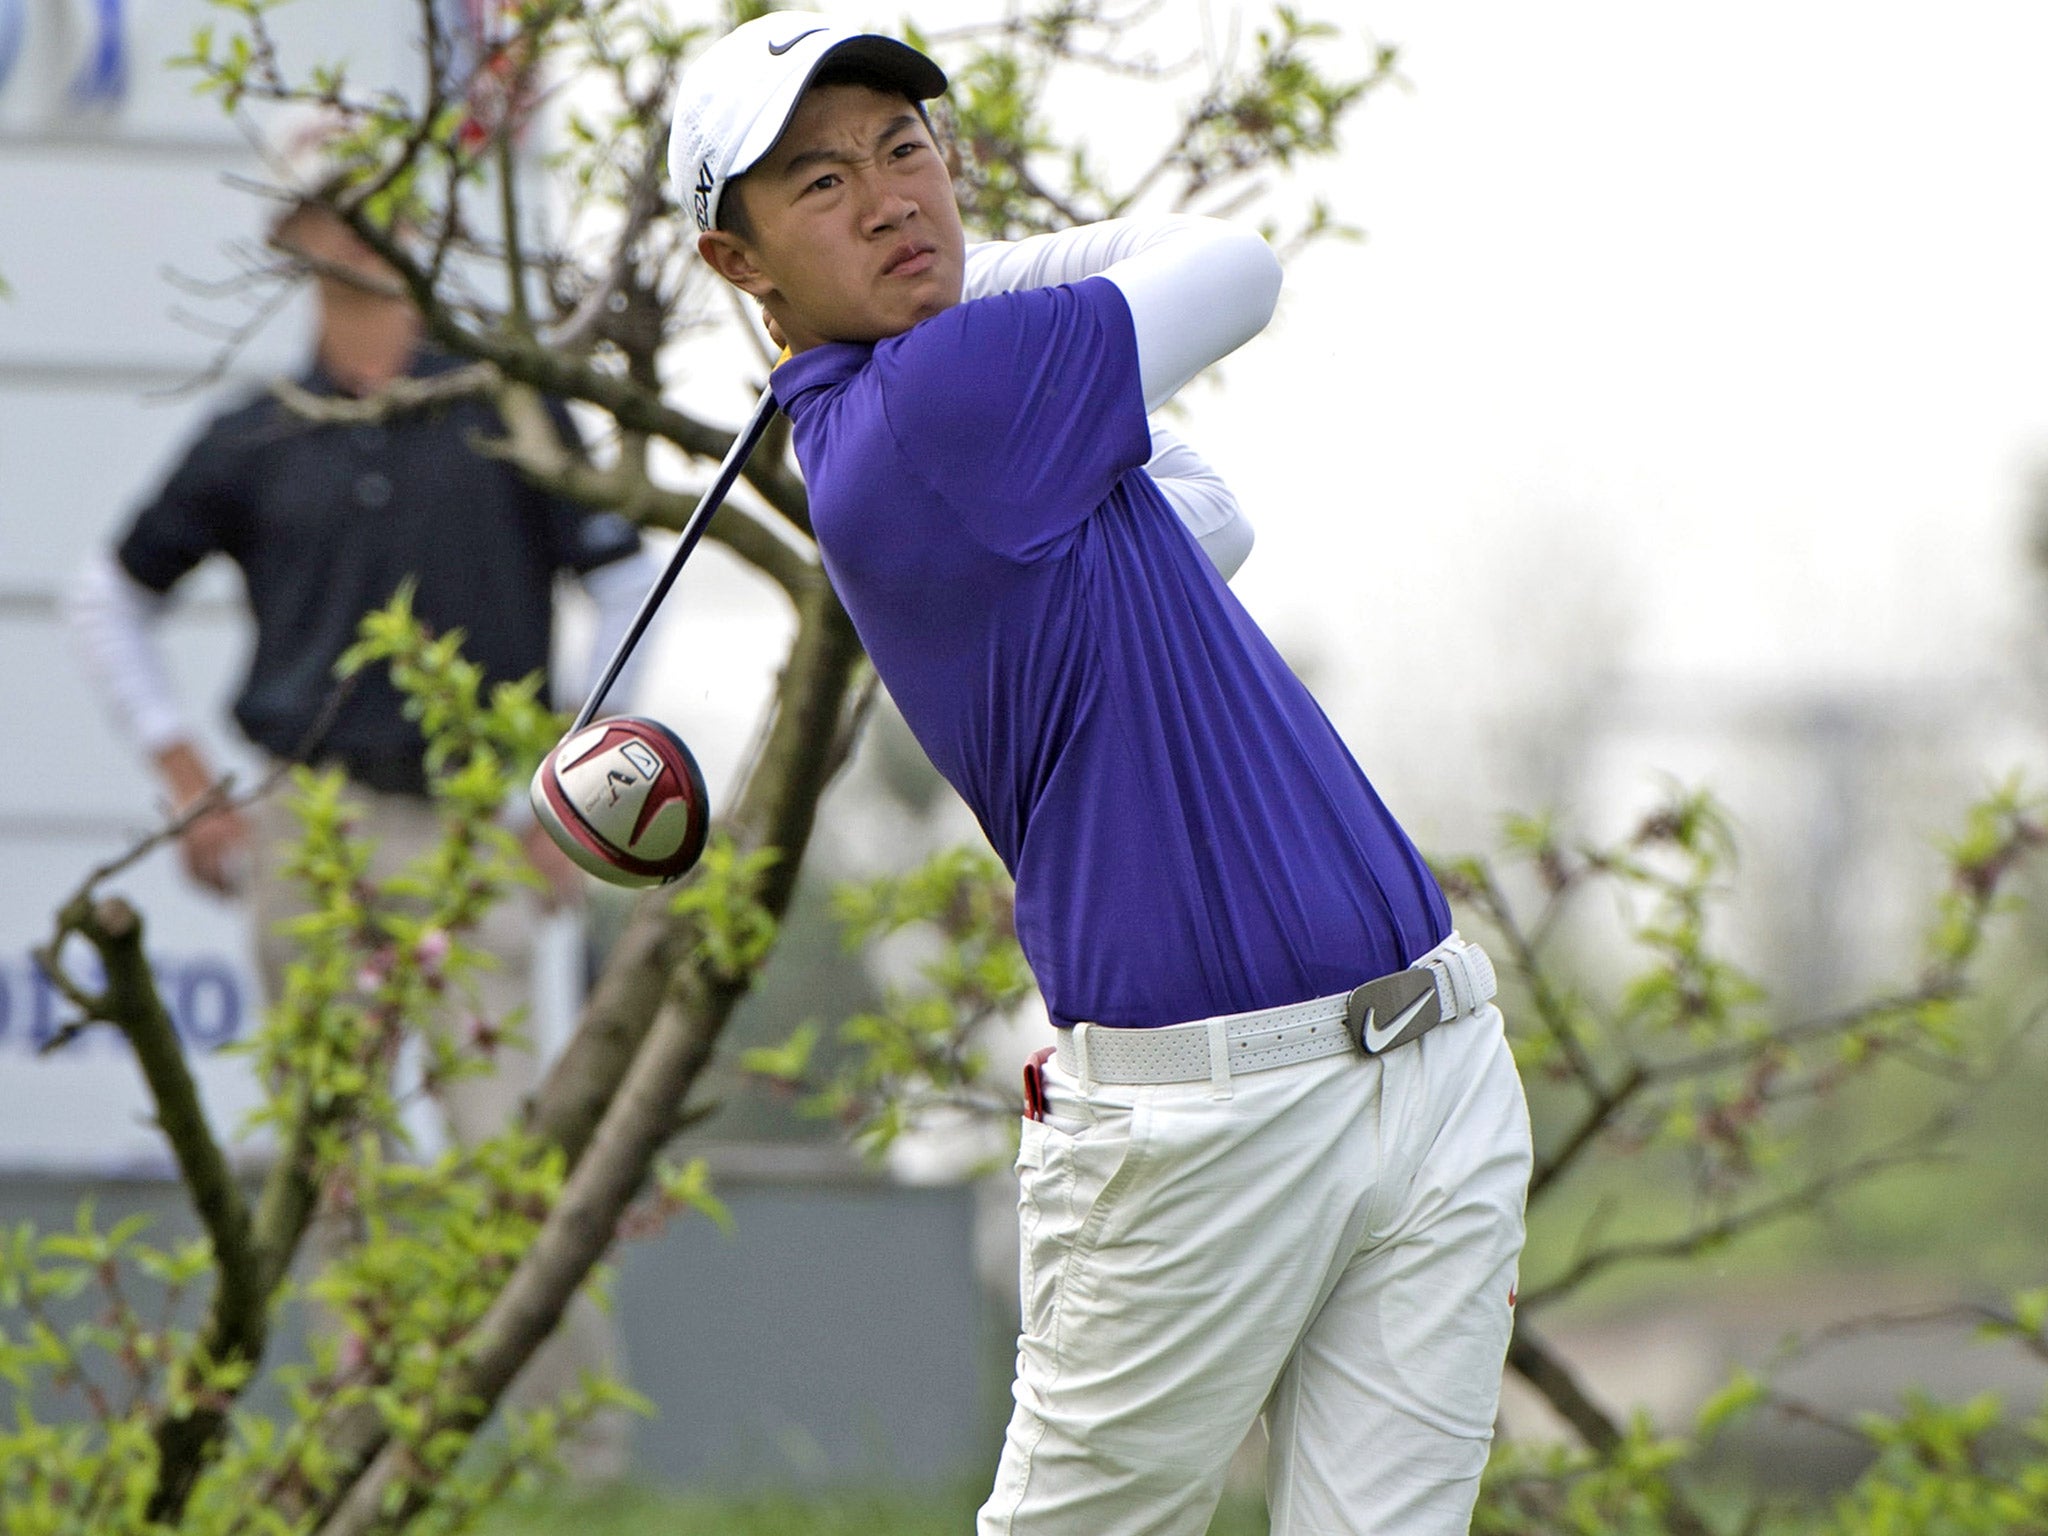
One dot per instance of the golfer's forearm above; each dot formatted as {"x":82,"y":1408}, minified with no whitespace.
{"x":1069,"y":255}
{"x":1063,"y":256}
{"x":1201,"y":500}
{"x":112,"y":617}
{"x":1198,"y":289}
{"x":1196,"y":295}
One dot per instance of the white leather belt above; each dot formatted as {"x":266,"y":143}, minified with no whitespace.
{"x":1451,"y":981}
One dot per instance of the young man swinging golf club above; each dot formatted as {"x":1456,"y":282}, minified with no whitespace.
{"x":1275,"y":1164}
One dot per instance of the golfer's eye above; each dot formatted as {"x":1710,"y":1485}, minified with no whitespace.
{"x":907,"y":147}
{"x":824,"y":183}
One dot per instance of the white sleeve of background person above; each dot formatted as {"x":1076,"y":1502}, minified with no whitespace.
{"x":1198,"y":289}
{"x":1201,"y":501}
{"x":617,"y":588}
{"x":113,"y":617}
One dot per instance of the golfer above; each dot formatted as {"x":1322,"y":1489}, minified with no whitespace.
{"x":1275,"y":1164}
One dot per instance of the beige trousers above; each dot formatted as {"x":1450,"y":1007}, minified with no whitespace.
{"x":1329,"y":1245}
{"x":474,"y":1108}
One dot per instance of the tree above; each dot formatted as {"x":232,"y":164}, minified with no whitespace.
{"x":1666,"y":1067}
{"x":470,"y":1263}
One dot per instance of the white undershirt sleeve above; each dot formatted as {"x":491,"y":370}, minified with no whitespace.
{"x":1198,"y":289}
{"x":113,"y":617}
{"x":1201,"y":501}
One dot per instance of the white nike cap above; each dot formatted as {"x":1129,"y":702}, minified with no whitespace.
{"x":737,"y":96}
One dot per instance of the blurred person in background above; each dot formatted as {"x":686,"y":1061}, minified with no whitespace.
{"x":325,"y":520}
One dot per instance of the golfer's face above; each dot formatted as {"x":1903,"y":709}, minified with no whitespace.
{"x":854,"y":220}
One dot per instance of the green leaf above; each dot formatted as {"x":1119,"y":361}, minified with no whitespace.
{"x":688,"y":1188}
{"x":1741,"y":1396}
{"x":789,"y":1061}
{"x":2030,"y":1310}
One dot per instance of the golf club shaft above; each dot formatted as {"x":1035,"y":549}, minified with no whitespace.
{"x":693,"y":529}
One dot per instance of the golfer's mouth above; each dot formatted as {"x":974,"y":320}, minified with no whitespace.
{"x":910,"y":258}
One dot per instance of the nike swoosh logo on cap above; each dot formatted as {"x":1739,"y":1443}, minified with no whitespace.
{"x":1380,"y":1039}
{"x":779,"y":49}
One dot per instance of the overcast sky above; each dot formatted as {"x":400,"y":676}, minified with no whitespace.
{"x":1742,"y":309}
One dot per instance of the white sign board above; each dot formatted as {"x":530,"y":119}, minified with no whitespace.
{"x":113,"y":172}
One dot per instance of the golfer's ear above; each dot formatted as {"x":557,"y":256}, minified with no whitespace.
{"x":729,"y":256}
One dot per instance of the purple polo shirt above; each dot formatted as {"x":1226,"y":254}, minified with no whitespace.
{"x":1188,"y":834}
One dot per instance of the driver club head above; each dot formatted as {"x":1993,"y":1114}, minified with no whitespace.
{"x":624,"y":799}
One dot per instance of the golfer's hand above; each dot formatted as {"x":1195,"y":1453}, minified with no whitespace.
{"x":564,"y":886}
{"x":216,"y":850}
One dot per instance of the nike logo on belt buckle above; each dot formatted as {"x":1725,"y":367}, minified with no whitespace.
{"x":1392,"y":1010}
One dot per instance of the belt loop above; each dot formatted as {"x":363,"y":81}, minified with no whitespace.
{"x":1219,"y":1059}
{"x":1485,"y":984}
{"x":1464,"y":971}
{"x":1439,"y":971}
{"x":1081,"y":1055}
{"x":1454,"y":972}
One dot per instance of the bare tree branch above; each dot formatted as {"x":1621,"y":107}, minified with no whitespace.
{"x":403,"y":396}
{"x":237,"y":337}
{"x":1713,"y":1234}
{"x":1606,"y":1105}
{"x":1537,"y":1364}
{"x":1975,"y":1315}
{"x":514,"y":253}
{"x":238,"y":1317}
{"x":534,"y":446}
{"x":1527,"y":963}
{"x":645,"y":202}
{"x":1547,"y":1373}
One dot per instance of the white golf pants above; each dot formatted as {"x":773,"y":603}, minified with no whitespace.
{"x":1332,"y":1245}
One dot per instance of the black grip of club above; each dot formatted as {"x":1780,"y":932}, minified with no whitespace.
{"x":693,"y":529}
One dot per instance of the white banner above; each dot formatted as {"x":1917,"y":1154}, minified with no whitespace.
{"x":83,"y":1108}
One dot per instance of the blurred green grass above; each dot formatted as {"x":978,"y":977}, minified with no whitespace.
{"x":639,"y":1511}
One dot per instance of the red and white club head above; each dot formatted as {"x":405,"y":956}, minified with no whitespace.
{"x":624,"y":799}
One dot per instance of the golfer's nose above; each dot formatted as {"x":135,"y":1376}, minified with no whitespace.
{"x":888,"y":209}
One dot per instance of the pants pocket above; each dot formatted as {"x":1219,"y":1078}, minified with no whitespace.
{"x":1066,"y":1164}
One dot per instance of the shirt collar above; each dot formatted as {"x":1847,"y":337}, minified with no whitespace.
{"x":822,"y":367}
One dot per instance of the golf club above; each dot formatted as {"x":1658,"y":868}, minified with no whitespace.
{"x":693,"y":530}
{"x":624,"y":799}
